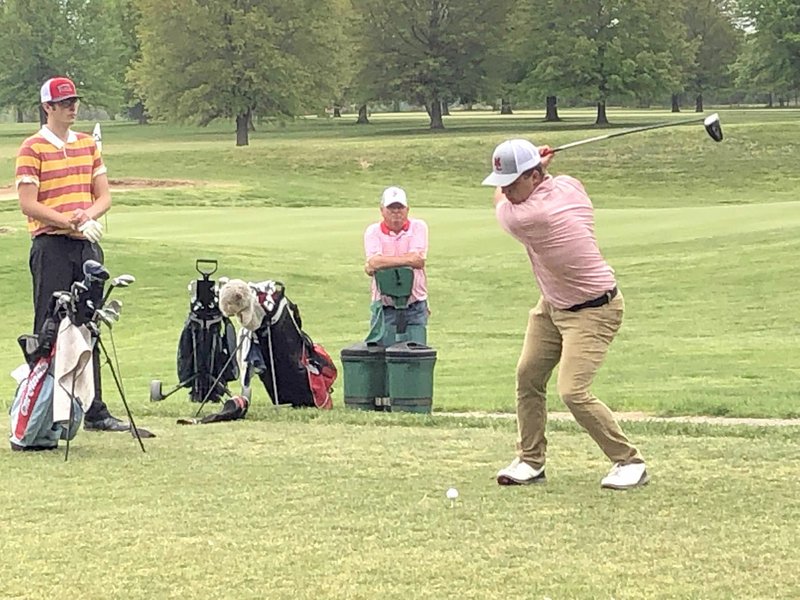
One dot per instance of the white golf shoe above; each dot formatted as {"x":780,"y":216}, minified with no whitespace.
{"x":624,"y":477}
{"x":520,"y":473}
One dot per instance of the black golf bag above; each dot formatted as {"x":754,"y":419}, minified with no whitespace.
{"x":293,"y":369}
{"x":206,"y":360}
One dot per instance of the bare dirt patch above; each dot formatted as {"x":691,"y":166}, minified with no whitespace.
{"x":118,"y":185}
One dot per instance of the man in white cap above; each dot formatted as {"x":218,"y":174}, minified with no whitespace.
{"x":398,"y":241}
{"x":577,"y":316}
{"x":63,"y":191}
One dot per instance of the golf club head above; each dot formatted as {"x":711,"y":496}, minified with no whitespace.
{"x":713,"y":127}
{"x":121,"y":282}
{"x":78,"y":287}
{"x":103,"y":316}
{"x":114,"y":305}
{"x":112,"y":314}
{"x":94,"y":271}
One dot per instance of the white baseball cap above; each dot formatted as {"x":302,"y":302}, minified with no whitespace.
{"x":510,"y":160}
{"x":393,"y":195}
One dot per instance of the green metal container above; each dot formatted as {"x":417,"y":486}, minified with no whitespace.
{"x":409,"y":368}
{"x":364,"y":374}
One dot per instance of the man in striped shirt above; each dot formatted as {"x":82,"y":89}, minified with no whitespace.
{"x":577,"y":316}
{"x":63,"y":191}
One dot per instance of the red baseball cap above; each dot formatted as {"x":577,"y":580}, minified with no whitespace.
{"x":57,"y":89}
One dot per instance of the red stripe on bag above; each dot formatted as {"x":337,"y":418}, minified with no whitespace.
{"x":30,"y":394}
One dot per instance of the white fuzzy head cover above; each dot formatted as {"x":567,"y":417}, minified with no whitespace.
{"x":237,"y":298}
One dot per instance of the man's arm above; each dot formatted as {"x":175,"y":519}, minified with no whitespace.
{"x":31,"y":207}
{"x":415,"y":260}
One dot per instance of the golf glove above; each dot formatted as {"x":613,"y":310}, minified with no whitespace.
{"x":92,"y":229}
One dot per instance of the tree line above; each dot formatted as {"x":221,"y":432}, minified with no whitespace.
{"x":200,"y":60}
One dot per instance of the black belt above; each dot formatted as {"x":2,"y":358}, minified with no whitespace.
{"x":599,"y":301}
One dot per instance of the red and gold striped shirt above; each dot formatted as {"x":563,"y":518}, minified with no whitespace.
{"x":63,"y":172}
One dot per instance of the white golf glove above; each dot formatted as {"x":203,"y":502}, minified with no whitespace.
{"x":92,"y":229}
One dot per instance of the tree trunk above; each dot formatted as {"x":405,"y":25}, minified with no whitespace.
{"x":337,"y":111}
{"x":251,"y":126}
{"x":468,"y":106}
{"x":676,"y":103}
{"x":698,"y":103}
{"x":445,"y":108}
{"x":363,"y":119}
{"x":602,"y":119}
{"x":138,"y":113}
{"x":242,"y":134}
{"x":551,"y":110}
{"x":435,"y":111}
{"x":770,"y":101}
{"x":505,"y":107}
{"x":20,"y":115}
{"x":396,"y":106}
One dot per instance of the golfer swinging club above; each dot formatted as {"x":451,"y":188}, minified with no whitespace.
{"x":577,"y":316}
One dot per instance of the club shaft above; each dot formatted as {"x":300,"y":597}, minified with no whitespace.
{"x":626,"y":132}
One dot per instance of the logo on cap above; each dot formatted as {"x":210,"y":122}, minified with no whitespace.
{"x":498,"y":164}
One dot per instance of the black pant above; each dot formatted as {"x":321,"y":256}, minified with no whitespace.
{"x":56,"y":261}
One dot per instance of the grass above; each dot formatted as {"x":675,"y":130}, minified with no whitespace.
{"x":704,"y":239}
{"x":341,"y":506}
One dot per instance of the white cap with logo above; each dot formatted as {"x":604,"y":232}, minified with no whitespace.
{"x":510,"y":160}
{"x":393,"y":195}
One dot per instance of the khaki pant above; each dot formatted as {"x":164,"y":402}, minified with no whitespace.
{"x":577,"y":342}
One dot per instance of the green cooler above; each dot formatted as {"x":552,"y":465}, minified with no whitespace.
{"x":409,"y":369}
{"x":364,"y":374}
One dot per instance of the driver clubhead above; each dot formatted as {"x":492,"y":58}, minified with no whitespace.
{"x":94,"y":271}
{"x":713,"y":127}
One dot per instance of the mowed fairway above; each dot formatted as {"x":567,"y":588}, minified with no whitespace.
{"x":704,"y":238}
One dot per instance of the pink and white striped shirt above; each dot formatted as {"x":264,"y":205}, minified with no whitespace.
{"x":556,"y":226}
{"x":380,"y":241}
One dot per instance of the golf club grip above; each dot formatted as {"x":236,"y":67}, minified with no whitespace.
{"x":547,"y":152}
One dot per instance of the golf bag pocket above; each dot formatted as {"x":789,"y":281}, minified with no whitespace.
{"x":321,"y":375}
{"x":31,"y":411}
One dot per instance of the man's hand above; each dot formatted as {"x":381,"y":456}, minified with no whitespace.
{"x":369,"y":269}
{"x":546,"y":152}
{"x":79,"y":217}
{"x":92,"y":230}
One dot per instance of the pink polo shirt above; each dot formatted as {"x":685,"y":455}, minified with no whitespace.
{"x":556,"y":226}
{"x":413,"y":239}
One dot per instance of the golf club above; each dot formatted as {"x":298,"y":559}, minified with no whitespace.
{"x":94,"y":271}
{"x":122,"y":281}
{"x":711,"y":124}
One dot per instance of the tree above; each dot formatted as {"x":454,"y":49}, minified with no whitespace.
{"x":716,"y":42}
{"x":429,"y":50}
{"x":771,"y":57}
{"x":214,"y":59}
{"x":40,"y":39}
{"x":602,"y":48}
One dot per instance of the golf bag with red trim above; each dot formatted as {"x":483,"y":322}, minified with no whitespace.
{"x":31,"y":413}
{"x":293,"y":369}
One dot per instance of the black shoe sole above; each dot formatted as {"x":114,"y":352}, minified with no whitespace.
{"x":504,"y":480}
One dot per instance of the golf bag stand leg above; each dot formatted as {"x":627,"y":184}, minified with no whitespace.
{"x":118,"y":383}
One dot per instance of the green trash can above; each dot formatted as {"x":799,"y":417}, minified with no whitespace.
{"x":409,"y":369}
{"x":364,"y":374}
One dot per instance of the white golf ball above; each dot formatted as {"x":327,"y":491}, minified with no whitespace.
{"x":452,"y":494}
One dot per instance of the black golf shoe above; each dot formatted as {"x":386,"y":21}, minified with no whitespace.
{"x":108,"y":424}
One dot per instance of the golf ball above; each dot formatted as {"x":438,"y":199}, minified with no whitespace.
{"x":452,"y":494}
